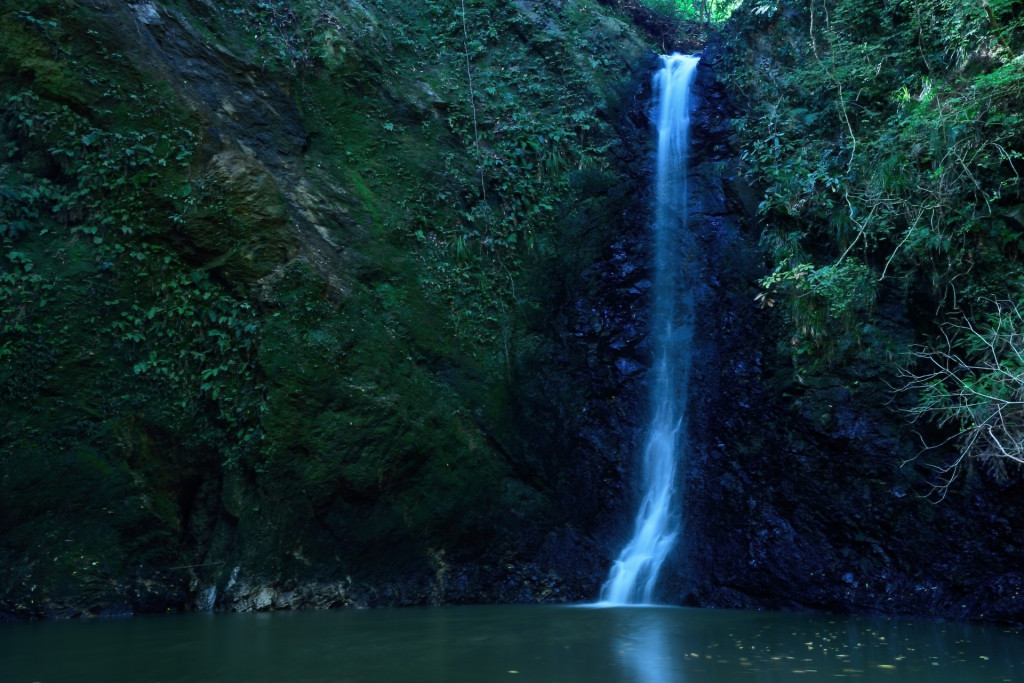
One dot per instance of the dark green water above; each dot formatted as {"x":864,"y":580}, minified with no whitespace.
{"x":513,"y":644}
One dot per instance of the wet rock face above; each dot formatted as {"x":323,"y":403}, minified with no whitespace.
{"x":244,"y":108}
{"x":581,"y":398}
{"x":795,"y":497}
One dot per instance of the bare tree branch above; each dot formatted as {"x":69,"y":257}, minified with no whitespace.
{"x":973,"y":380}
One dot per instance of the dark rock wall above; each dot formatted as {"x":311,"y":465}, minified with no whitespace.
{"x":802,"y":492}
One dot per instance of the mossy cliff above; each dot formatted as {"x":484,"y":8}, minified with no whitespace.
{"x":292,"y":301}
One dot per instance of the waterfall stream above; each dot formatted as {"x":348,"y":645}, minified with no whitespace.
{"x":658,"y":523}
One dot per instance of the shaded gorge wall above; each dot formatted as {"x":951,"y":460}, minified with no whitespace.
{"x":272,"y":340}
{"x":802,"y":488}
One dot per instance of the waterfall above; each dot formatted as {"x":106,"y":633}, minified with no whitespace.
{"x":657,"y":526}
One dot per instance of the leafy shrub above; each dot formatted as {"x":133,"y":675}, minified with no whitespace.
{"x":887,"y":143}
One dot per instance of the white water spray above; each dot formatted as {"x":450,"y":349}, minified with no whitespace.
{"x":657,"y":526}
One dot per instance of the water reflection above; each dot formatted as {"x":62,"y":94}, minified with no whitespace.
{"x":509,"y":644}
{"x":659,"y":645}
{"x":645,"y":649}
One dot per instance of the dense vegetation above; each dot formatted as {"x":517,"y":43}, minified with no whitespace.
{"x":692,"y":11}
{"x":270,"y":273}
{"x":888,"y":142}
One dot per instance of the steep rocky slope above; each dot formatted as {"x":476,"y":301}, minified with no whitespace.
{"x":315,"y":305}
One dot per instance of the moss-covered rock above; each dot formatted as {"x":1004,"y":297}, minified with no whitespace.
{"x":274,"y":287}
{"x":240,"y":226}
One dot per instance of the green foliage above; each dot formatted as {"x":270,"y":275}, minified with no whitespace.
{"x":530,"y":126}
{"x":127,"y":373}
{"x":678,"y":22}
{"x":887,"y":134}
{"x":102,"y":176}
{"x":886,"y":138}
{"x":711,"y":11}
{"x":826,"y":307}
{"x":473,"y":180}
{"x":335,"y":327}
{"x":106,"y":197}
{"x":305,"y":36}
